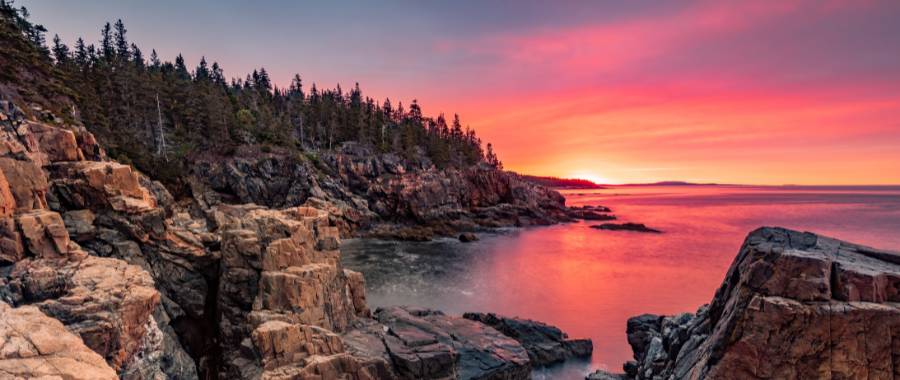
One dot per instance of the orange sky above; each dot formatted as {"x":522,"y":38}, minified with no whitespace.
{"x":757,"y":92}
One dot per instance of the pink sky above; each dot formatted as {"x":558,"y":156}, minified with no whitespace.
{"x":763,"y":92}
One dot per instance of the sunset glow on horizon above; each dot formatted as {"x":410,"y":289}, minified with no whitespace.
{"x":770,"y":92}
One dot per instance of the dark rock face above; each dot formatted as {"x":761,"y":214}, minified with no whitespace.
{"x":545,"y":344}
{"x":426,"y":344}
{"x":794,"y":305}
{"x":636,"y":227}
{"x":380,"y":193}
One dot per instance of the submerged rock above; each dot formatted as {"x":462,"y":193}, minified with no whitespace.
{"x":794,"y":305}
{"x":545,"y":344}
{"x":468,"y":237}
{"x":636,"y":227}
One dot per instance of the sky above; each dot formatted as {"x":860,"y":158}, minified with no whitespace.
{"x":751,"y":92}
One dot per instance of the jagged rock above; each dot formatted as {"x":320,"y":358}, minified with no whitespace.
{"x":57,"y":143}
{"x":107,"y":302}
{"x":793,"y":306}
{"x":43,"y":233}
{"x":27,"y":182}
{"x":545,"y":344}
{"x":98,"y":185}
{"x":11,"y":247}
{"x":280,"y":265}
{"x":358,"y":187}
{"x":356,"y":285}
{"x":428,"y":344}
{"x":33,"y":345}
{"x":80,"y":224}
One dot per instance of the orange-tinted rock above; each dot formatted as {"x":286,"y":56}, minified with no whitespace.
{"x":7,"y":201}
{"x":356,"y":287}
{"x":11,"y":247}
{"x":105,"y":301}
{"x":44,"y":234}
{"x":27,"y":183}
{"x":57,"y":143}
{"x":35,"y":346}
{"x":92,"y":185}
{"x":281,"y":343}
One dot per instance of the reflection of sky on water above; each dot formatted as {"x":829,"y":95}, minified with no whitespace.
{"x":588,"y":282}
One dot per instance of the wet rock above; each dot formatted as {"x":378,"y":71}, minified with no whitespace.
{"x":636,"y":227}
{"x":468,"y":237}
{"x":428,"y":344}
{"x":604,"y":375}
{"x":545,"y":344}
{"x":793,"y":305}
{"x":33,"y":345}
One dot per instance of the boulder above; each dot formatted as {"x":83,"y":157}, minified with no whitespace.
{"x":33,"y":345}
{"x":794,"y":305}
{"x":427,"y":344}
{"x":545,"y":344}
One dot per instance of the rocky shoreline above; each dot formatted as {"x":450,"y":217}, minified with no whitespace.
{"x":104,"y":274}
{"x":794,"y":305}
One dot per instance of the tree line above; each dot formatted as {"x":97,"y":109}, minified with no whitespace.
{"x":159,"y":114}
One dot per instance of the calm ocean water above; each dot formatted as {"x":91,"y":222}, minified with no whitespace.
{"x":589,"y":282}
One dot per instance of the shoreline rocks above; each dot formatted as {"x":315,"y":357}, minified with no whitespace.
{"x":545,"y":344}
{"x":793,"y":305}
{"x":634,"y":227}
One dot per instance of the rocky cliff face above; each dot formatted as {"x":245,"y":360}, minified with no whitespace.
{"x":794,"y":305}
{"x":103,"y":274}
{"x":380,"y":194}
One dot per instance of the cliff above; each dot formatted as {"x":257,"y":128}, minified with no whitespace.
{"x":794,"y":305}
{"x":379,"y":194}
{"x":104,"y":274}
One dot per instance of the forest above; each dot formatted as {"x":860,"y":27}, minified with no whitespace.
{"x":159,"y":115}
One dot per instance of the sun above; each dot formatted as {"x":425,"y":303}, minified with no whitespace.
{"x":593,"y":177}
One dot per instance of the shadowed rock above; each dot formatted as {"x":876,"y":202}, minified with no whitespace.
{"x":794,"y":305}
{"x":545,"y":344}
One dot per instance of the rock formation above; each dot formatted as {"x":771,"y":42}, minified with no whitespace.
{"x":33,"y":345}
{"x":794,"y":305}
{"x":137,"y":285}
{"x":381,"y":195}
{"x":545,"y":344}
